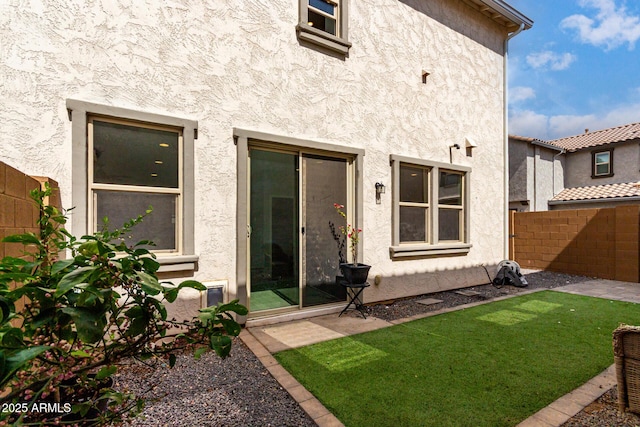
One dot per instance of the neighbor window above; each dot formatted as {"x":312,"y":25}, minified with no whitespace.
{"x":324,"y":23}
{"x":602,"y":163}
{"x":430,"y":213}
{"x":125,"y":161}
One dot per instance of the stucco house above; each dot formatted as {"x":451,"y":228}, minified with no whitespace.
{"x":242,"y":123}
{"x":535,"y":173}
{"x":596,"y":169}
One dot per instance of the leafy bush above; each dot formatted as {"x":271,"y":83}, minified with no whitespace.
{"x":82,"y":316}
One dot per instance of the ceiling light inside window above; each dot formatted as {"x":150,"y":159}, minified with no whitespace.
{"x":158,"y":162}
{"x":154,"y":174}
{"x":164,"y":145}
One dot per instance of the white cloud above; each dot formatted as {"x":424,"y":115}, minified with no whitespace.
{"x":553,"y":60}
{"x":528,"y":123}
{"x":611,"y":27}
{"x":521,"y":93}
{"x":567,"y":125}
{"x":535,"y":125}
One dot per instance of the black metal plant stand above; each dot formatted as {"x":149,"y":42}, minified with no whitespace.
{"x":354,"y":292}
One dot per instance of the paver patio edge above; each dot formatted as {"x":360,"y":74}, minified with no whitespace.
{"x":573,"y":402}
{"x":307,"y":401}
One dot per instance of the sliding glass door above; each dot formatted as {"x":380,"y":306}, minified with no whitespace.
{"x":294,"y":240}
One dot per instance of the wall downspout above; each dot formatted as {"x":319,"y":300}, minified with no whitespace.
{"x":506,"y":138}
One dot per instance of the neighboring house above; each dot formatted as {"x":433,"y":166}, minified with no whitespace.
{"x":242,"y":123}
{"x":593,"y":169}
{"x":602,"y":168}
{"x":535,"y":173}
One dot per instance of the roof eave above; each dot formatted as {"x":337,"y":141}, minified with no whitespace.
{"x":501,"y":9}
{"x":547,"y":145}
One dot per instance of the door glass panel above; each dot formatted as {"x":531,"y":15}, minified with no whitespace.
{"x":324,"y":183}
{"x":274,"y":230}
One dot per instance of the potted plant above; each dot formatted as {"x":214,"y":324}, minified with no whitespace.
{"x":353,"y":272}
{"x":82,"y":316}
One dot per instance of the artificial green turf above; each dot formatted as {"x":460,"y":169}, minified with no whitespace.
{"x":490,"y":365}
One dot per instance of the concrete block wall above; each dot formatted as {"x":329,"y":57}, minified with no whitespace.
{"x":601,"y":243}
{"x":18,"y":213}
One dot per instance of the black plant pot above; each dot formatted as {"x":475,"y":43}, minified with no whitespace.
{"x":355,"y":273}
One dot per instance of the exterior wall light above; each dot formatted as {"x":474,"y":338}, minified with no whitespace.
{"x":457,"y":147}
{"x":380,"y":189}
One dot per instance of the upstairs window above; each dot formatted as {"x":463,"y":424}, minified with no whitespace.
{"x":323,"y":15}
{"x":324,"y":23}
{"x":602,"y":164}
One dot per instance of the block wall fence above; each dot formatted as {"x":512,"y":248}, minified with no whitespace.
{"x":18,"y":213}
{"x":603,"y":243}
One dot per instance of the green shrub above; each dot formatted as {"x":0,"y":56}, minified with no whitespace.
{"x":84,"y":314}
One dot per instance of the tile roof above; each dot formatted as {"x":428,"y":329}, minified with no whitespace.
{"x":599,"y":137}
{"x":596,"y":192}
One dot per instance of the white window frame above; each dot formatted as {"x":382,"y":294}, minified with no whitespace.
{"x":337,"y":43}
{"x":432,"y":246}
{"x":82,"y":216}
{"x":609,"y":164}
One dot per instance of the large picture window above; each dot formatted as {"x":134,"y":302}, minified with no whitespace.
{"x":125,"y":161}
{"x":430,"y":214}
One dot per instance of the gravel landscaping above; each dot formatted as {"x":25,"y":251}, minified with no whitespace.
{"x":239,"y":391}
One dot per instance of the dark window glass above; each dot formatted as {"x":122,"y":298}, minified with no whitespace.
{"x":413,"y":184}
{"x":120,"y":207}
{"x":413,"y":224}
{"x":132,"y":155}
{"x":449,"y":224}
{"x":322,"y":22}
{"x":450,"y":189}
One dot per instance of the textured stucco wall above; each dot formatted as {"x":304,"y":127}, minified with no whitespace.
{"x":518,"y":151}
{"x":535,"y":175}
{"x":545,"y":179}
{"x":626,"y":165}
{"x":238,"y":64}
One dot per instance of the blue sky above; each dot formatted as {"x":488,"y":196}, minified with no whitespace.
{"x":578,"y":67}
